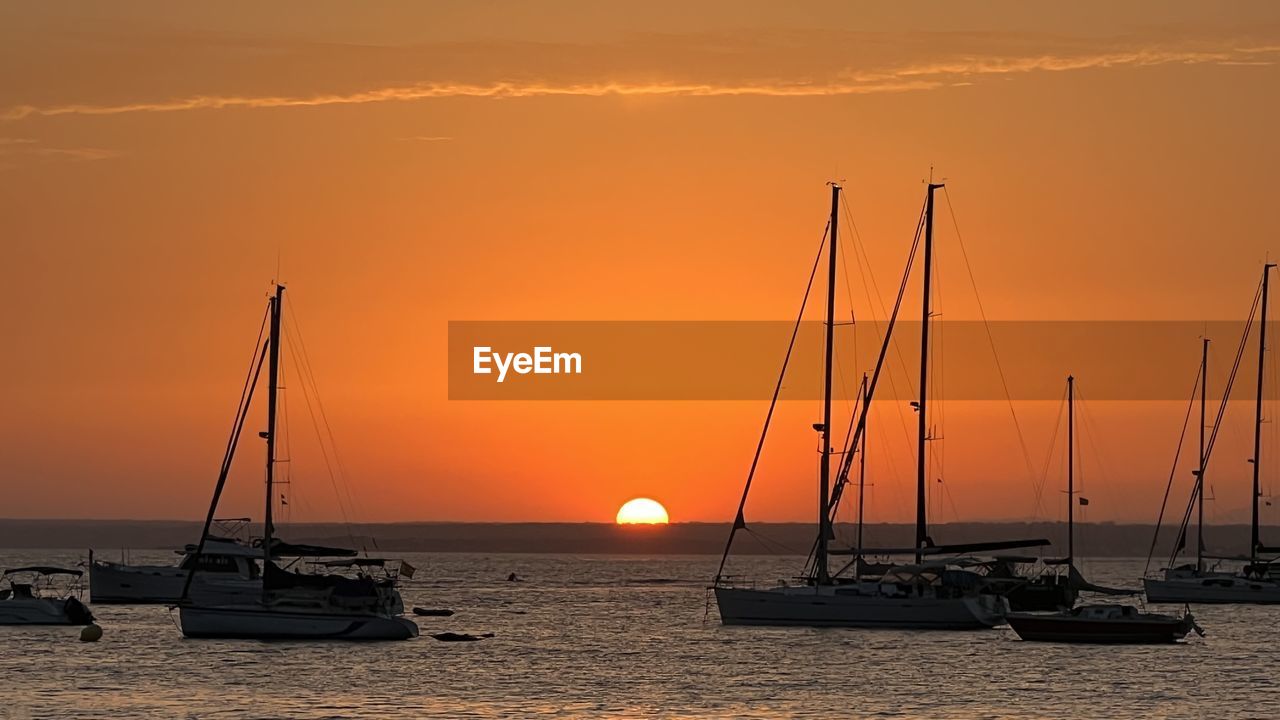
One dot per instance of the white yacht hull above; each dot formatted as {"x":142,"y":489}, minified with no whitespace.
{"x":256,"y":622}
{"x":828,"y":606}
{"x":110,"y":583}
{"x":35,"y":611}
{"x":1212,"y":589}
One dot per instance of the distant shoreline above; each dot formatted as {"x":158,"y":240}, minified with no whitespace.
{"x":1092,"y":539}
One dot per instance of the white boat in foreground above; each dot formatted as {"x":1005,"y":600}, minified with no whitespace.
{"x":1257,"y":582}
{"x":1213,"y":588}
{"x":227,"y":572}
{"x":926,"y":595}
{"x":907,"y":597}
{"x":290,"y":605}
{"x":34,"y":601}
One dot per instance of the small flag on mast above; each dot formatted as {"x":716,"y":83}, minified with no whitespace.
{"x":406,"y":569}
{"x":1084,"y":502}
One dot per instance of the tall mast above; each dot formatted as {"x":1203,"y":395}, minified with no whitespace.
{"x":1254,"y":541}
{"x":1204,"y":383}
{"x":1071,"y":471}
{"x":273,"y":390}
{"x":824,"y":481}
{"x":922,"y":527}
{"x":862,"y":476}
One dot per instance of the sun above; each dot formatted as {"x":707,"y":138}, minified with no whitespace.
{"x":642,"y":511}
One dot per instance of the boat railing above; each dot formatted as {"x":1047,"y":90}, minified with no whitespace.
{"x":745,"y":582}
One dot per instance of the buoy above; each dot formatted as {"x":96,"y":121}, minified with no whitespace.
{"x":91,"y":633}
{"x":432,"y":612}
{"x":460,"y":637}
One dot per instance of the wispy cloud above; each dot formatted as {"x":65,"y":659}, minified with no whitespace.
{"x":428,"y":138}
{"x":500,"y":90}
{"x":12,"y":149}
{"x":954,"y":72}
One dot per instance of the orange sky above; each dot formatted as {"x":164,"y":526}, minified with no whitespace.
{"x":412,"y":163}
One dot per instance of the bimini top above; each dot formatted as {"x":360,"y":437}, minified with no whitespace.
{"x":223,"y":547}
{"x":44,"y":570}
{"x":279,"y":548}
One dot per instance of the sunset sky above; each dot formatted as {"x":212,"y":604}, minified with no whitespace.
{"x":404,"y":164}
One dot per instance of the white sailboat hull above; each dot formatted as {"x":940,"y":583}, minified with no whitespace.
{"x":257,"y":622}
{"x":35,"y":611}
{"x":1208,"y":589}
{"x":828,"y":606}
{"x":111,"y":583}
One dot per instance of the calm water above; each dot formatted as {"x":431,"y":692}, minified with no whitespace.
{"x":599,"y":636}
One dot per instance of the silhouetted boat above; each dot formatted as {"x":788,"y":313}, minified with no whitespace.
{"x":1060,"y":583}
{"x":291,"y":605}
{"x":1256,"y":582}
{"x":227,"y":570}
{"x":35,"y":602}
{"x":923,"y":595}
{"x":1103,"y":624}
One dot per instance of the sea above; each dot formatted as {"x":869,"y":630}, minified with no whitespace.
{"x":609,"y":636}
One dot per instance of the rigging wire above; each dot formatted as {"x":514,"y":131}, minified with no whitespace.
{"x":872,"y":290}
{"x":237,"y":427}
{"x":1022,"y":442}
{"x":936,"y":447}
{"x":1177,"y":456}
{"x":869,"y":284}
{"x":1213,"y":436}
{"x":1053,"y":439}
{"x":739,"y":522}
{"x":842,"y":478}
{"x":316,"y":411}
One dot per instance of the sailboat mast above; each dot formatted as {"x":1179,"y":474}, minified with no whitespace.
{"x":922,"y":527}
{"x":824,"y":480}
{"x":862,"y":475}
{"x":1254,"y":541}
{"x":1204,"y":391}
{"x":1071,"y":471}
{"x":273,"y":390}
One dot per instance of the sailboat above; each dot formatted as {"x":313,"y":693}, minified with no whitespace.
{"x":291,"y":605}
{"x":927,"y":594}
{"x":1095,"y":624}
{"x":1256,"y":581}
{"x":1060,"y":587}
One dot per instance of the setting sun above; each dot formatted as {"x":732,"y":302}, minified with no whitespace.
{"x":642,"y":511}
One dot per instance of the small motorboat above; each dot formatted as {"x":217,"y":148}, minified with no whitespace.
{"x":31,"y":598}
{"x":1103,"y":624}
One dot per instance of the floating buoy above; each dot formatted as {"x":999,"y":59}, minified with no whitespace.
{"x":432,"y":612}
{"x":460,"y":637}
{"x":91,"y":633}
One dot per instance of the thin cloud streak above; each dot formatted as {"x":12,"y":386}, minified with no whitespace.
{"x":907,"y":79}
{"x":504,"y":90}
{"x":15,"y":148}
